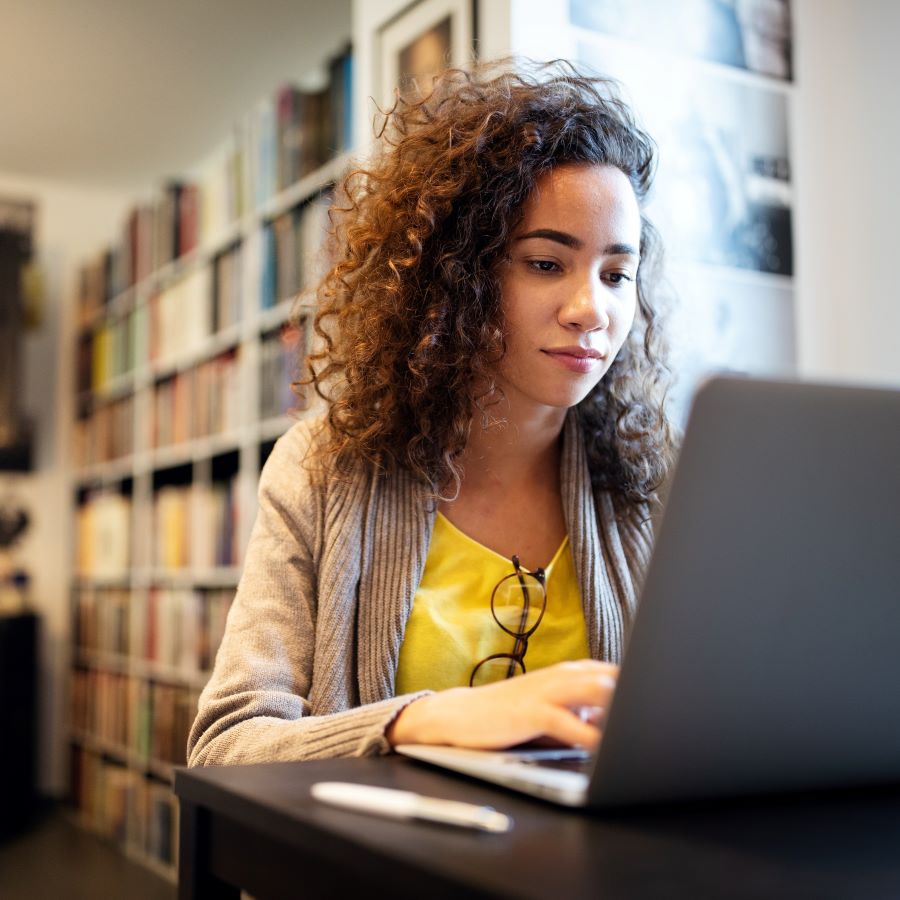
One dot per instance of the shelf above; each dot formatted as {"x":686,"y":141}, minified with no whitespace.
{"x":226,"y":576}
{"x":197,"y":448}
{"x":270,"y":319}
{"x":272,"y":429}
{"x":221,"y":242}
{"x":101,"y":659}
{"x":119,"y":305}
{"x":131,"y":321}
{"x":124,"y":755}
{"x":119,"y":580}
{"x":306,"y":187}
{"x":211,"y":347}
{"x":107,"y":473}
{"x":148,"y":669}
{"x":115,"y":389}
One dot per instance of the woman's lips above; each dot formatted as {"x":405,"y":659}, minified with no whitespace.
{"x":576,"y":359}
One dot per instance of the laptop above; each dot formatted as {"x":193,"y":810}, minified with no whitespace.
{"x":765,"y":653}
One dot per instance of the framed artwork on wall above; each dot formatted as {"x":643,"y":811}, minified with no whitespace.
{"x":755,"y":35}
{"x":419,"y":43}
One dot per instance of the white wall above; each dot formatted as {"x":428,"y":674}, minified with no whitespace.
{"x":73,"y":223}
{"x":846,"y":147}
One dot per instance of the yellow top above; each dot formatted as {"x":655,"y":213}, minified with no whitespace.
{"x":451,"y":628}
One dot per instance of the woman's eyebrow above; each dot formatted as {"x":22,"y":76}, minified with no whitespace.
{"x":569,"y":240}
{"x":551,"y":234}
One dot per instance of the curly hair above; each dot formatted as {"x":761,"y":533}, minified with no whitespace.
{"x":410,"y":318}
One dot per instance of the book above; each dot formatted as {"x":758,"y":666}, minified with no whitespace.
{"x":281,"y":354}
{"x":226,"y":288}
{"x":340,"y":106}
{"x":103,"y":534}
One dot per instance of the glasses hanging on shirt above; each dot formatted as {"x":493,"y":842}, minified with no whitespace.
{"x":518,"y":603}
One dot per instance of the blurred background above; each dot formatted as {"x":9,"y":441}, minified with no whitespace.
{"x":165,"y":169}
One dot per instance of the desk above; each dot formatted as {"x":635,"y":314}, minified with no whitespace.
{"x":258,"y":828}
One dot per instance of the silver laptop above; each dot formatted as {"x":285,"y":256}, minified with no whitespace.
{"x":765,"y":654}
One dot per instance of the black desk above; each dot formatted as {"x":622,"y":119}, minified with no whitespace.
{"x":257,"y":827}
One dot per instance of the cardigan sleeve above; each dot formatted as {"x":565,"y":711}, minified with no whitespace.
{"x":255,"y":707}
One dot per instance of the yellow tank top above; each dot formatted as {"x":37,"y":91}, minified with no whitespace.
{"x":451,"y":628}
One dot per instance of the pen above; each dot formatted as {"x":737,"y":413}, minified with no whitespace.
{"x":408,"y":805}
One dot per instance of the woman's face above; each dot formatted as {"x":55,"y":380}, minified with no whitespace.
{"x":569,"y":286}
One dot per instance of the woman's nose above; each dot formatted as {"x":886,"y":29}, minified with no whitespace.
{"x":586,"y":308}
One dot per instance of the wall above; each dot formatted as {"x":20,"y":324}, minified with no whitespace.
{"x":844,"y":137}
{"x":73,"y":223}
{"x":847,"y":141}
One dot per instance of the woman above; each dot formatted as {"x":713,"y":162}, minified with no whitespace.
{"x":475,"y":502}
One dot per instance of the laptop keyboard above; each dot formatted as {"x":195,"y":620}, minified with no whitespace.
{"x":567,"y":760}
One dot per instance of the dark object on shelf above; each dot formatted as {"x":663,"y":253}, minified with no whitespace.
{"x":13,"y":523}
{"x":18,"y":712}
{"x":16,"y":223}
{"x":17,"y":456}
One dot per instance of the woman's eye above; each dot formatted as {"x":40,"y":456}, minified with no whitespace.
{"x":617,"y":277}
{"x":543,"y":265}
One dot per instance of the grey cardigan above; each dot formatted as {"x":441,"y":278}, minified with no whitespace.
{"x":306,"y":668}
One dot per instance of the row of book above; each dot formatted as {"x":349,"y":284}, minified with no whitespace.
{"x":155,"y":232}
{"x":171,"y":324}
{"x":227,"y":289}
{"x":286,"y":136}
{"x":281,"y":359}
{"x":192,"y":526}
{"x":180,"y":317}
{"x":293,"y":256}
{"x":180,"y":628}
{"x":110,"y":350}
{"x":103,"y":534}
{"x":105,"y":433}
{"x":195,"y":526}
{"x":198,"y":402}
{"x":138,"y":813}
{"x":295,"y":131}
{"x":133,"y":715}
{"x":114,"y":347}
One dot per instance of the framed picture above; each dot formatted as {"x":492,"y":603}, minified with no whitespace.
{"x":756,"y":35}
{"x":422,"y":41}
{"x":723,"y":193}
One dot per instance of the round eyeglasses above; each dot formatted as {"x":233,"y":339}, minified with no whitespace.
{"x":518,"y":603}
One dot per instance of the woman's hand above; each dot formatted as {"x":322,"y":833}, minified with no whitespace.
{"x":541,"y":704}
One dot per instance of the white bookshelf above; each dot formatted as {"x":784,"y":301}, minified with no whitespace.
{"x":197,"y":461}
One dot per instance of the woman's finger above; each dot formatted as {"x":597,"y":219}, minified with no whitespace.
{"x":563,"y":725}
{"x":582,"y":687}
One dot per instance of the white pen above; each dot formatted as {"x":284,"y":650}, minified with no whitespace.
{"x":408,"y":805}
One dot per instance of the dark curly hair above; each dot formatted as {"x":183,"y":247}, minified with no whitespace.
{"x":410,"y":319}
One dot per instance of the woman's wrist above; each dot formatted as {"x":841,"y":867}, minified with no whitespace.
{"x":420,"y":722}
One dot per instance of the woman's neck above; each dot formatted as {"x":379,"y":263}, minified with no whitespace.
{"x":510,"y":497}
{"x":512,"y":454}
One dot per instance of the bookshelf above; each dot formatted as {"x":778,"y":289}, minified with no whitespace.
{"x":189,"y":329}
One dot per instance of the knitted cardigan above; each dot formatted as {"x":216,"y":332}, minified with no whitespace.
{"x":307,"y":664}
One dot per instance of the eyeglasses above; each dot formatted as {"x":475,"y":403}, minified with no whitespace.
{"x":518,"y":603}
